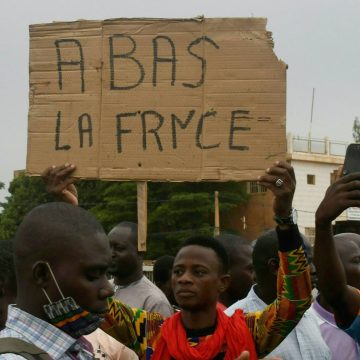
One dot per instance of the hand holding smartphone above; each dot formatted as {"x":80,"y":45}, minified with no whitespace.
{"x":352,"y":160}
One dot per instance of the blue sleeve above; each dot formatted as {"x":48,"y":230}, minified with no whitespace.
{"x":354,"y":330}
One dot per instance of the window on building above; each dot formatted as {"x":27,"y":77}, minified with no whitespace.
{"x":254,"y":188}
{"x":310,"y":234}
{"x":311,"y":179}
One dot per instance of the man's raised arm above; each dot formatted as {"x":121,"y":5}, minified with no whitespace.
{"x":344,"y":193}
{"x":270,"y":326}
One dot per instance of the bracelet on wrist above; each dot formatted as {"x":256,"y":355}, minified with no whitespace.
{"x":291,"y":219}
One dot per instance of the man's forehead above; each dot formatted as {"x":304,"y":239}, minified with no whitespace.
{"x":197,"y":254}
{"x":100,"y":260}
{"x":91,"y":255}
{"x":99,"y":253}
{"x":92,"y":246}
{"x":347,"y":249}
{"x":241,"y":252}
{"x":354,"y":249}
{"x":122,"y":234}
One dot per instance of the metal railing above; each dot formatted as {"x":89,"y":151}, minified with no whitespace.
{"x":316,"y":146}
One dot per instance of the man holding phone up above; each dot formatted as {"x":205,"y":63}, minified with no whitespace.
{"x":332,"y":280}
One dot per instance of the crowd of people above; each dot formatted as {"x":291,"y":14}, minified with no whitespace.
{"x":68,"y":290}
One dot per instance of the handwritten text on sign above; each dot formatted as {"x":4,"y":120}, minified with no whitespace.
{"x":145,"y":99}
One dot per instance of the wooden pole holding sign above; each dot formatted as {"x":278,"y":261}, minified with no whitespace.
{"x":142,"y":191}
{"x":217,"y":215}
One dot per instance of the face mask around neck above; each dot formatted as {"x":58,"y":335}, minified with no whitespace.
{"x":68,"y":316}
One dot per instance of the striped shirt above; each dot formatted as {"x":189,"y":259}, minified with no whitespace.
{"x":45,"y":336}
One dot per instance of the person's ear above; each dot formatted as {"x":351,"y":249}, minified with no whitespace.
{"x":273,"y":265}
{"x":224,"y":282}
{"x":41,"y":274}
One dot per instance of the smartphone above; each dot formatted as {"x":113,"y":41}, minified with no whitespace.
{"x":352,"y":159}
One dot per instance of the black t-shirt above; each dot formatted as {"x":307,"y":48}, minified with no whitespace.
{"x":197,"y":335}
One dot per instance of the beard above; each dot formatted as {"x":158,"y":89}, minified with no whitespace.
{"x":120,"y":271}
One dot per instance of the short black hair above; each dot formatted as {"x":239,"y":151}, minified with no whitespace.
{"x":128,"y":224}
{"x":7,"y":267}
{"x":231,"y":243}
{"x":162,"y":269}
{"x":50,"y":226}
{"x":133,"y":230}
{"x":211,"y":243}
{"x":266,"y":247}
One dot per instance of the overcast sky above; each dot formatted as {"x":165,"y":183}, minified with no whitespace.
{"x":319,"y":40}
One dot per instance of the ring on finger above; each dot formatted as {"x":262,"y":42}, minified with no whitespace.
{"x":279,"y":182}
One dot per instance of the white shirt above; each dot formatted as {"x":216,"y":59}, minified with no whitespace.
{"x":303,"y":343}
{"x":145,"y":295}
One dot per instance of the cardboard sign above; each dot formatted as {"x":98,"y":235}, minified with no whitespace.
{"x":149,"y":99}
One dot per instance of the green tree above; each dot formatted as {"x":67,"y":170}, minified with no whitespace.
{"x":356,"y":130}
{"x":25,"y":193}
{"x":110,"y":202}
{"x":175,"y":210}
{"x":179,"y":210}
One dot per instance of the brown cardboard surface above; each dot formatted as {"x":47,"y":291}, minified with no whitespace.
{"x":186,"y":70}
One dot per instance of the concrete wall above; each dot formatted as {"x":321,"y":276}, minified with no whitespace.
{"x":308,"y":196}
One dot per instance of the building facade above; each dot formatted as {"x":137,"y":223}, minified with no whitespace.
{"x":315,"y":163}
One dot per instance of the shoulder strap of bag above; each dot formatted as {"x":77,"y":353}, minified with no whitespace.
{"x":22,"y":348}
